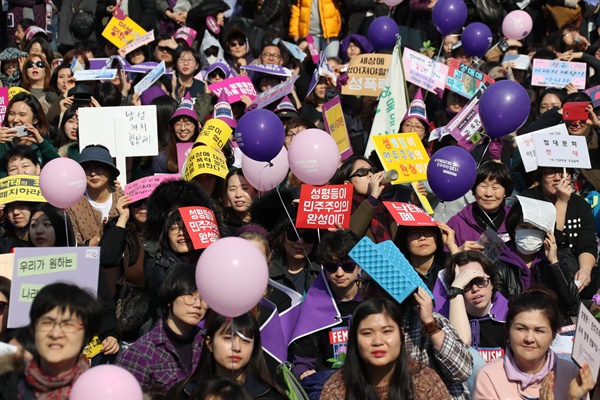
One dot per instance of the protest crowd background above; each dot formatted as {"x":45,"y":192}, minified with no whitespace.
{"x":299,"y":199}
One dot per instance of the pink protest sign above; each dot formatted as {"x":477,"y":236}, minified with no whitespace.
{"x":183,"y":149}
{"x":423,"y":71}
{"x":234,"y":88}
{"x":143,"y":188}
{"x":3,"y":102}
{"x":312,"y":48}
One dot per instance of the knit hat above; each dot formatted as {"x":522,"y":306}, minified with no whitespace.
{"x":285,"y":109}
{"x":186,"y":108}
{"x":11,"y":53}
{"x":150,"y":94}
{"x":224,"y":112}
{"x":34,"y":30}
{"x":187,"y":34}
{"x":417,"y":109}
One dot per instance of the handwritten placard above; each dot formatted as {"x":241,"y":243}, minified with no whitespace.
{"x":492,"y":244}
{"x":409,"y":214}
{"x":121,"y":29}
{"x":137,"y":43}
{"x":366,"y":74}
{"x":554,"y":151}
{"x":466,"y":126}
{"x":234,"y":88}
{"x":335,"y":125}
{"x":403,"y":152}
{"x":150,"y":78}
{"x":275,"y":93}
{"x":594,"y":93}
{"x":20,"y":188}
{"x":143,"y":188}
{"x":465,"y":80}
{"x":538,"y":213}
{"x":558,"y":73}
{"x":322,"y":207}
{"x":527,"y":148}
{"x":204,"y":160}
{"x":423,"y":71}
{"x":36,"y":267}
{"x":201,"y":225}
{"x":587,"y":341}
{"x":3,"y":102}
{"x":95,"y":74}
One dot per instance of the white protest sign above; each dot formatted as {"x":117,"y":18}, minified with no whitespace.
{"x":538,"y":213}
{"x":527,"y":148}
{"x":95,"y":74}
{"x":150,"y":78}
{"x":519,"y":61}
{"x":423,"y":71}
{"x":569,"y":152}
{"x":587,"y":340}
{"x":492,"y":243}
{"x":139,"y":42}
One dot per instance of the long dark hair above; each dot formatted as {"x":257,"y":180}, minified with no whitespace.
{"x":62,"y":138}
{"x":42,"y":124}
{"x":345,"y":170}
{"x":57,"y":219}
{"x":53,"y":86}
{"x":354,"y":371}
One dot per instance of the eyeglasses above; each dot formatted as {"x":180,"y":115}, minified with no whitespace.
{"x":413,"y":128}
{"x":361,"y":172}
{"x":3,"y":306}
{"x":191,"y":298}
{"x":332,"y":266}
{"x":176,"y":229}
{"x":362,"y":283}
{"x":235,"y":43}
{"x":67,"y":326}
{"x":551,"y":173}
{"x":31,"y":64}
{"x":179,"y":126}
{"x":271,"y":55}
{"x":480,"y":282}
{"x":415,"y":234}
{"x":308,"y":236}
{"x":187,"y":60}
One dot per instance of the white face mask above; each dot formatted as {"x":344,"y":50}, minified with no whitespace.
{"x":211,"y":59}
{"x":529,"y":241}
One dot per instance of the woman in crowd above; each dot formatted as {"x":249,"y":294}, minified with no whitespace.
{"x":165,"y":108}
{"x":15,"y":232}
{"x":294,"y":127}
{"x":64,"y":318}
{"x":239,"y":195}
{"x":40,"y":46}
{"x":232,"y":349}
{"x":492,"y":185}
{"x":312,"y":107}
{"x":377,"y":366}
{"x":237,"y":50}
{"x":530,"y":369}
{"x":68,"y":134}
{"x":36,"y":76}
{"x":354,"y":45}
{"x":416,"y":120}
{"x":60,"y":83}
{"x":171,"y":350}
{"x":187,"y":66}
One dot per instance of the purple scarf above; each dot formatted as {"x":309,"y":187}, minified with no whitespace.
{"x":513,"y":373}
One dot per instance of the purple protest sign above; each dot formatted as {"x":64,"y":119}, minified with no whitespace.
{"x":3,"y":102}
{"x":36,"y":267}
{"x":270,"y":69}
{"x":275,"y":93}
{"x":234,"y":88}
{"x":143,"y":188}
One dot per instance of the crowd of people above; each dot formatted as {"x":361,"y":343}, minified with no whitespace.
{"x":475,"y":327}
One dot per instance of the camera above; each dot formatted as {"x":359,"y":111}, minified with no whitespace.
{"x":21,"y":131}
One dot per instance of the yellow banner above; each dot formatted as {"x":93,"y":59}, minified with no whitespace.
{"x":20,"y":188}
{"x":204,"y":160}
{"x":403,"y":152}
{"x":121,"y":29}
{"x":215,"y":133}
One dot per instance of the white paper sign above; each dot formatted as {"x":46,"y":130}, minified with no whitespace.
{"x":423,"y":71}
{"x":492,"y":243}
{"x":538,"y":213}
{"x":520,"y":61}
{"x":139,"y":42}
{"x":150,"y":78}
{"x":587,"y":340}
{"x":95,"y":75}
{"x":569,"y":152}
{"x":527,"y":148}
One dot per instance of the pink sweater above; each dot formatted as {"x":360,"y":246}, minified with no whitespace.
{"x":491,"y":382}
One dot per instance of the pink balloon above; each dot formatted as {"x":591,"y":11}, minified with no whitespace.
{"x":63,"y":182}
{"x":313,"y":156}
{"x":517,"y":25}
{"x":392,"y":3}
{"x":266,"y":175}
{"x":232,"y":276}
{"x":106,"y":382}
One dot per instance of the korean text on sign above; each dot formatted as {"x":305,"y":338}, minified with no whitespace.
{"x":558,"y":73}
{"x":405,"y":153}
{"x":201,"y":225}
{"x":366,"y":74}
{"x":465,"y":80}
{"x":409,"y":214}
{"x":323,"y":207}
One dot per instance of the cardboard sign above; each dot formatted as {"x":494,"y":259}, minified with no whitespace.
{"x":335,"y":125}
{"x":204,"y":160}
{"x":201,"y":225}
{"x":20,"y":188}
{"x":407,"y":214}
{"x":136,"y":43}
{"x":466,"y":126}
{"x":36,"y":267}
{"x":554,"y":151}
{"x":214,"y":133}
{"x":366,"y":74}
{"x":3,"y":102}
{"x":234,"y":88}
{"x":587,"y":338}
{"x":275,"y":93}
{"x":143,"y":188}
{"x":121,"y":29}
{"x":527,"y":148}
{"x":403,"y":152}
{"x":322,"y":207}
{"x":538,"y":213}
{"x":150,"y":78}
{"x":423,"y":71}
{"x":519,"y":61}
{"x":555,"y":73}
{"x":465,"y":80}
{"x":594,"y":94}
{"x":492,"y":244}
{"x":95,"y":74}
{"x":183,"y":149}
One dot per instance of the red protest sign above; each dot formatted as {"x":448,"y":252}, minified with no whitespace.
{"x":408,"y":214}
{"x":322,"y":207}
{"x":201,"y":224}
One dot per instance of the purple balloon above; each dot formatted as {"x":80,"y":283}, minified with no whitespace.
{"x":451,"y":172}
{"x":503,"y":108}
{"x":476,"y":39}
{"x":382,"y":33}
{"x":449,"y":15}
{"x":260,"y":134}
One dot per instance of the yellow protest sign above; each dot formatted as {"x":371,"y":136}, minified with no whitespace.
{"x":121,"y":29}
{"x":204,"y":160}
{"x":20,"y":188}
{"x":335,"y":124}
{"x":215,"y":133}
{"x":403,"y":152}
{"x":366,"y":74}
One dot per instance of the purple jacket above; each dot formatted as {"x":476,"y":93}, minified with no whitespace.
{"x":153,"y":360}
{"x":465,"y":226}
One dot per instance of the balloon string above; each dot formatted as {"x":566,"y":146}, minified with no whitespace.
{"x":443,"y":211}
{"x":433,"y":69}
{"x":66,"y":226}
{"x":294,"y":225}
{"x":484,"y":151}
{"x":269,"y":164}
{"x":232,"y":351}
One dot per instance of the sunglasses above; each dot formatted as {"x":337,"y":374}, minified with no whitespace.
{"x":211,"y":52}
{"x":39,"y":64}
{"x":3,"y":306}
{"x":364,"y":172}
{"x":234,"y":43}
{"x":479,"y":282}
{"x":309,"y":236}
{"x":332,"y":266}
{"x":163,"y":48}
